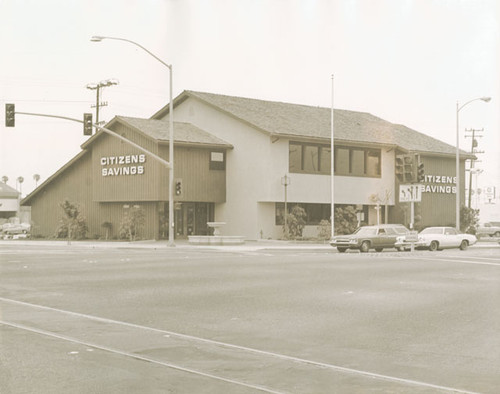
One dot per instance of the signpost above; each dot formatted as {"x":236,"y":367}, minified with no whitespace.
{"x":412,"y":194}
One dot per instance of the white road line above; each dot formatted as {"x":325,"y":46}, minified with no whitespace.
{"x":243,"y":348}
{"x":138,"y":357}
{"x":448,"y":260}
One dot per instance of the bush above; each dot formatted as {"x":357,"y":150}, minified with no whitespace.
{"x":296,"y":221}
{"x":132,"y":222}
{"x":346,"y":221}
{"x":73,"y":225}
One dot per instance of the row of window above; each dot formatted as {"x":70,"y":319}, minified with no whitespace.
{"x":316,"y":212}
{"x":316,"y":159}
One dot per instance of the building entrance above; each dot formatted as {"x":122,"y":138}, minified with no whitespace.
{"x":190,"y":218}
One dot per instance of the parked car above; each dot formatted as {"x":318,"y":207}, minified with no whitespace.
{"x":434,"y":238}
{"x":370,"y":237}
{"x":16,"y":228}
{"x":490,"y":228}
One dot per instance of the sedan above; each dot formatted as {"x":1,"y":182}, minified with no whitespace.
{"x":434,"y":238}
{"x":370,"y":237}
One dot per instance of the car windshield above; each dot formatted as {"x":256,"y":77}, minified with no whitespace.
{"x":432,"y":230}
{"x":366,"y":231}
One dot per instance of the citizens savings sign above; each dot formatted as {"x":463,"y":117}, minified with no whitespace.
{"x":122,"y":165}
{"x":439,"y":184}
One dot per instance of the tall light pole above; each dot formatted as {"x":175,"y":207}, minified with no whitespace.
{"x":171,"y":137}
{"x":457,"y":162}
{"x":332,"y":168}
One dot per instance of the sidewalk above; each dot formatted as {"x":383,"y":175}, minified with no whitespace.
{"x":183,"y":244}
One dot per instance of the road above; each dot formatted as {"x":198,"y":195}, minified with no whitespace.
{"x":173,"y":320}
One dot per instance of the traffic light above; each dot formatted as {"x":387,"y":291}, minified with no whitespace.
{"x":10,"y":115}
{"x":178,"y":187}
{"x":409,"y":174}
{"x":420,"y":172}
{"x":400,"y":168}
{"x":87,"y":124}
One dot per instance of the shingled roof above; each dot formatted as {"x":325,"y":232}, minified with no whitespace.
{"x":302,"y":121}
{"x":183,"y":132}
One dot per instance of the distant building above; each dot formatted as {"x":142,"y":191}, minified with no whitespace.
{"x":9,"y":201}
{"x":230,"y":156}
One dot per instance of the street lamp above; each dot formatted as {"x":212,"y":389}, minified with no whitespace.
{"x":457,"y":162}
{"x":171,"y":137}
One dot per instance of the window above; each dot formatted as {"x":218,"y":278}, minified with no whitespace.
{"x":295,"y":158}
{"x":217,"y":160}
{"x":311,"y":158}
{"x":357,"y":161}
{"x":316,"y":159}
{"x":325,"y":159}
{"x":315,"y":212}
{"x":342,"y":166}
{"x":373,"y":163}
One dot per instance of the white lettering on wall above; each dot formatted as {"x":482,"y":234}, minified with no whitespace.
{"x":109,"y":164}
{"x":440,"y":184}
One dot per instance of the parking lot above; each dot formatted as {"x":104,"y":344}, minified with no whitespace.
{"x":80,"y":319}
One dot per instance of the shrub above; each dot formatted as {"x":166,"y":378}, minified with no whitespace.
{"x":296,"y":221}
{"x":132,"y":222}
{"x":73,"y":225}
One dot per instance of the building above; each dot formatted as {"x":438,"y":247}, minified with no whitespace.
{"x":230,"y":156}
{"x":9,"y":201}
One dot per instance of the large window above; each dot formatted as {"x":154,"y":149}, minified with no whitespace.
{"x":351,"y":161}
{"x":315,"y":212}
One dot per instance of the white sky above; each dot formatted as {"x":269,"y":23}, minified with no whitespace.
{"x":406,"y":61}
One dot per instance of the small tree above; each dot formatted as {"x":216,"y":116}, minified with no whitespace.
{"x":346,"y":220}
{"x":469,"y":219}
{"x":73,"y":225}
{"x":296,"y":221}
{"x":132,"y":222}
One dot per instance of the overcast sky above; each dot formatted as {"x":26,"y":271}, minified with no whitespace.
{"x":406,"y":61}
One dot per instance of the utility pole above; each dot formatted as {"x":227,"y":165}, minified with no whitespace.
{"x":97,"y":87}
{"x":473,"y":150}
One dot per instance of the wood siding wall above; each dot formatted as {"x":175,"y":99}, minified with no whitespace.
{"x":102,"y":198}
{"x":436,"y":208}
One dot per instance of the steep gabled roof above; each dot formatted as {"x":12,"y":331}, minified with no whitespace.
{"x":302,"y":121}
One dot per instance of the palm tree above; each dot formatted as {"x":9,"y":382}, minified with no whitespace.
{"x":20,"y":180}
{"x":5,"y":178}
{"x":36,"y":177}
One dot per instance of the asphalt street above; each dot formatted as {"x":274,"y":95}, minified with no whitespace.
{"x":284,"y":320}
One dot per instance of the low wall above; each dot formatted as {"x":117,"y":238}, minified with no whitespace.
{"x":216,"y":239}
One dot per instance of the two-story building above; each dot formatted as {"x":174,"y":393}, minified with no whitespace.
{"x":231,"y":154}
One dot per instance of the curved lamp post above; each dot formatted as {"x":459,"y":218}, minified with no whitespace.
{"x":171,"y":137}
{"x":457,"y":162}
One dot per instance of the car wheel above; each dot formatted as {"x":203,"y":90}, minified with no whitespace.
{"x":379,"y":249}
{"x":497,"y":234}
{"x":464,"y":245}
{"x":365,"y":247}
{"x":341,"y":250}
{"x":433,"y":246}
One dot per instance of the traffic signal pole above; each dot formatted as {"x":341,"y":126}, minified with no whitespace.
{"x":107,"y":131}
